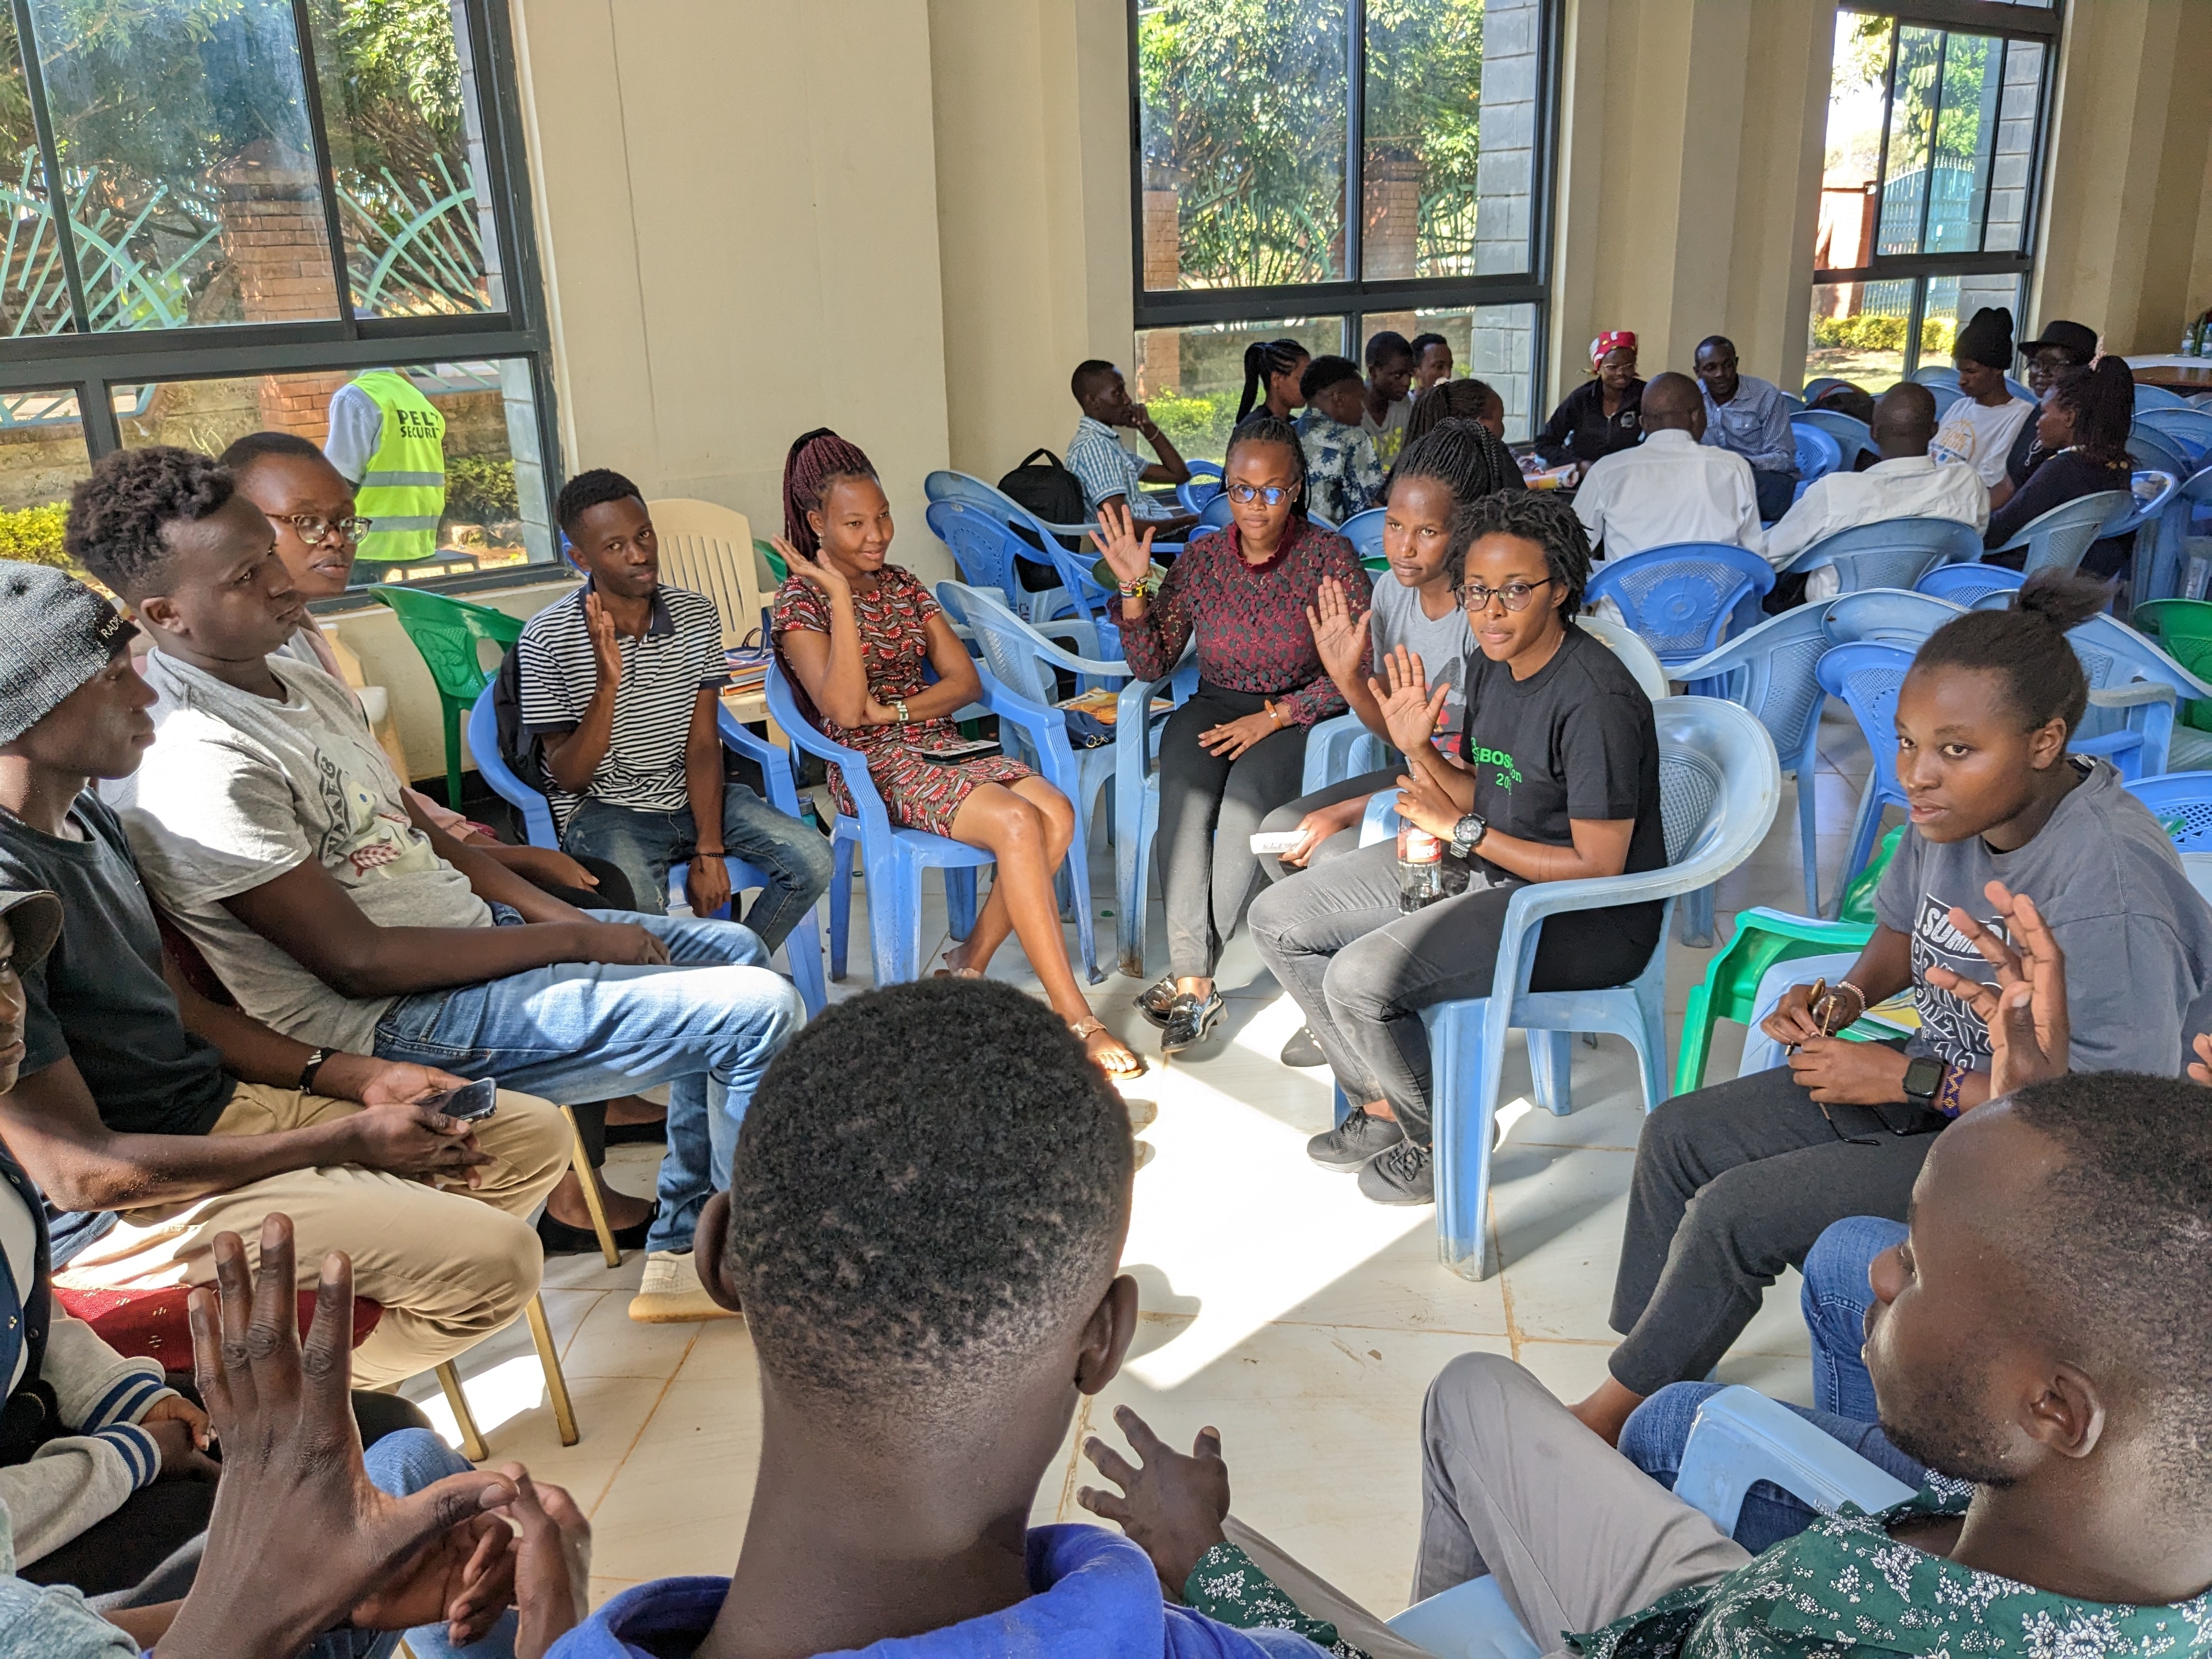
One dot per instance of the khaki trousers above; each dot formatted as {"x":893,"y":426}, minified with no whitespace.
{"x":449,"y":1266}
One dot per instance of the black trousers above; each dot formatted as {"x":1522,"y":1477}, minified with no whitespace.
{"x":1732,"y":1185}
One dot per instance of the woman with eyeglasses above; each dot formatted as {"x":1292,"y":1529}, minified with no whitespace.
{"x":1236,"y":750}
{"x":1554,"y":777}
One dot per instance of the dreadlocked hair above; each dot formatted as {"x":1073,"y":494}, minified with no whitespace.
{"x":2026,"y":643}
{"x":1448,"y":400}
{"x":1263,"y":361}
{"x":1462,"y":456}
{"x":2102,"y":401}
{"x":817,"y":459}
{"x":1266,"y":429}
{"x":1544,"y":520}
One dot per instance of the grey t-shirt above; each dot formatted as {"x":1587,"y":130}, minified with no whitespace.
{"x":2103,"y":872}
{"x":237,"y":789}
{"x":1442,"y":644}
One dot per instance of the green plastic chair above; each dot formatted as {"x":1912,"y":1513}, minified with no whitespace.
{"x":1763,"y":937}
{"x":2183,"y":628}
{"x":772,"y":559}
{"x":445,"y":633}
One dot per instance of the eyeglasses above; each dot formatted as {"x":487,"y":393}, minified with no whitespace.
{"x":1274,"y":494}
{"x":1912,"y":1127}
{"x":1515,"y":595}
{"x":313,"y":528}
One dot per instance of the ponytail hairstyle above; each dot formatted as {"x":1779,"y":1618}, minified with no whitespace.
{"x":1462,"y":456}
{"x":1266,"y":429}
{"x":817,"y":459}
{"x":1544,"y":520}
{"x":2102,"y":401}
{"x":1448,"y":401}
{"x":1263,"y":361}
{"x":2026,"y":643}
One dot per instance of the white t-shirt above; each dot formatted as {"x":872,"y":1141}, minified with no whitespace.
{"x":1980,"y":436}
{"x":238,"y":789}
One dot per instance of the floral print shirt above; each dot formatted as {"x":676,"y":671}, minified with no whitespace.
{"x":1227,"y":1586}
{"x":1343,"y":474}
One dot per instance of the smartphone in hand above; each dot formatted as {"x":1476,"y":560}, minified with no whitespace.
{"x":471,"y":1103}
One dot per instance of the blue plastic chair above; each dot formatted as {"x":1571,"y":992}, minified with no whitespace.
{"x":1341,"y":748}
{"x":2182,"y":801}
{"x":1889,"y":615}
{"x":1936,"y":375}
{"x":1036,"y":547}
{"x":2054,"y":541}
{"x":1821,"y":385}
{"x":1214,"y":515}
{"x":1719,"y":784}
{"x":802,"y":947}
{"x":1945,"y":396}
{"x":2159,"y":525}
{"x":1868,"y":675}
{"x":1894,"y":553}
{"x":2153,"y":451}
{"x":2134,"y":686}
{"x":1137,"y":800}
{"x":988,"y":551}
{"x":1852,"y":435}
{"x":1966,"y":585}
{"x":1769,"y":673}
{"x":1739,"y":1438}
{"x":1817,"y":452}
{"x":1681,"y":598}
{"x":1364,"y":532}
{"x":1201,"y":486}
{"x":2157,"y":396}
{"x":2190,"y":428}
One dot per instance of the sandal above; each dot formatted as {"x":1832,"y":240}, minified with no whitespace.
{"x":1085,"y":1030}
{"x":950,"y":971}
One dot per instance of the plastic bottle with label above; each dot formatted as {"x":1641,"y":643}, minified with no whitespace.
{"x":1421,"y":868}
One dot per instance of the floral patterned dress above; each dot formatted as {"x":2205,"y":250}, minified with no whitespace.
{"x":921,"y":793}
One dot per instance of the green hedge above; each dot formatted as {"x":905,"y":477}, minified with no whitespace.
{"x":33,"y":534}
{"x":1875,"y":332}
{"x":480,"y":490}
{"x":1196,"y":426}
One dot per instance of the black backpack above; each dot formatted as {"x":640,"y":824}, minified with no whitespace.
{"x":1049,"y":490}
{"x":522,"y":750}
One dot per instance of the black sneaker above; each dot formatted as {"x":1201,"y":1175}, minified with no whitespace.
{"x":1354,"y":1141}
{"x":1304,"y":1049}
{"x":1154,"y":1001}
{"x":1188,"y":1021}
{"x":1404,"y":1174}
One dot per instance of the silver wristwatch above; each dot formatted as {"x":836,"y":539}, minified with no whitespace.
{"x":1467,"y":835}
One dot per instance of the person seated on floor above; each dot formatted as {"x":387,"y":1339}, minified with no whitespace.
{"x":1343,"y":476}
{"x":2083,"y":428}
{"x":2037,"y":1343}
{"x":1432,"y":362}
{"x":1096,"y":455}
{"x":1905,"y":483}
{"x":1462,"y":400}
{"x":1555,"y":778}
{"x":273,"y":830}
{"x":919,"y":1361}
{"x":1735,"y":1181}
{"x":1980,"y":425}
{"x":1751,"y":418}
{"x":621,"y":681}
{"x":1385,"y":404}
{"x":139,"y":1096}
{"x":310,"y":506}
{"x":1673,"y":487}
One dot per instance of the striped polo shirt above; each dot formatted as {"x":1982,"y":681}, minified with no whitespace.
{"x":662,"y":672}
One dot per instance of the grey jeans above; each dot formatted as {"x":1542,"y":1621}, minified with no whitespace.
{"x":1344,"y":841}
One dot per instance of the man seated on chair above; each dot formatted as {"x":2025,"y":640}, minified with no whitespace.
{"x":271,"y":826}
{"x":140,"y":1097}
{"x":1750,"y":417}
{"x":621,"y":681}
{"x":1109,"y":472}
{"x":1673,"y":487}
{"x":2037,"y":1341}
{"x":1905,"y":483}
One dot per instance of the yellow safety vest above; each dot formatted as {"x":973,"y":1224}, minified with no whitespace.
{"x":403,"y":493}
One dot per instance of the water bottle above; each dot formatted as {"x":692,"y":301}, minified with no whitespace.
{"x":1421,"y":868}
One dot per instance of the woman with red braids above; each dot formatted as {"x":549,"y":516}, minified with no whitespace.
{"x":859,"y":636}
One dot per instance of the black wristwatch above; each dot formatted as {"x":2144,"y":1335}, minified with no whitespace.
{"x":309,"y":1071}
{"x":1467,"y":835}
{"x":1923,"y":1078}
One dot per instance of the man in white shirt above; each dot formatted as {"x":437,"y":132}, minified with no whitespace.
{"x":1673,"y":487}
{"x":1979,"y":428}
{"x":1907,"y":483}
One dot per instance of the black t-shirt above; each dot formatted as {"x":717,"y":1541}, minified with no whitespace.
{"x":1576,"y":739}
{"x":1580,"y":429}
{"x":99,"y":997}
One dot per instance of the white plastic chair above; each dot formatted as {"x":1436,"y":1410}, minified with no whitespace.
{"x":708,"y":549}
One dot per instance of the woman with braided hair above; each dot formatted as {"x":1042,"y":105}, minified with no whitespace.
{"x":1457,"y":400}
{"x":859,"y":637}
{"x":1272,"y":368}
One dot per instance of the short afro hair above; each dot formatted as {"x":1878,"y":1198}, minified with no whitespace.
{"x":928,"y":1186}
{"x":1087,"y":375}
{"x":1542,"y":519}
{"x":115,"y":516}
{"x":1323,"y":373}
{"x":589,"y":489}
{"x":2118,"y":1250}
{"x":262,"y":446}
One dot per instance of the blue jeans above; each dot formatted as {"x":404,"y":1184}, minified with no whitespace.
{"x":706,"y":1025}
{"x":1659,"y":1429}
{"x":795,"y":856}
{"x":1835,"y":1300}
{"x":403,"y":1463}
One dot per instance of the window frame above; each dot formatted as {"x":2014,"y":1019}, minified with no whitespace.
{"x":2043,"y":25}
{"x":92,"y":365}
{"x":1352,"y":297}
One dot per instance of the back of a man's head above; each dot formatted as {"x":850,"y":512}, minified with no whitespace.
{"x":930,"y":1191}
{"x":1903,"y":421}
{"x":1672,"y":402}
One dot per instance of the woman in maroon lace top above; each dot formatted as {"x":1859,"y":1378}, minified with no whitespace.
{"x":862,"y":637}
{"x":1236,"y":751}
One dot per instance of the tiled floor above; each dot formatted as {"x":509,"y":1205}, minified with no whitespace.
{"x":1279,"y":1306}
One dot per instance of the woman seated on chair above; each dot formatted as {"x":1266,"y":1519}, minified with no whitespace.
{"x":1556,"y":778}
{"x":860,"y":638}
{"x":1734,"y":1182}
{"x":2082,"y":427}
{"x":1236,"y":750}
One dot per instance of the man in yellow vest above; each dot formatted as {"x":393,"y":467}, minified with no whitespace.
{"x":389,"y":441}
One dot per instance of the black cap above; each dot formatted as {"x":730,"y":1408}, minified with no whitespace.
{"x":2078,"y":342}
{"x":1987,"y":339}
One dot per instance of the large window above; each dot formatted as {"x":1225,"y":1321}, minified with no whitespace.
{"x":1320,"y":170}
{"x":1929,"y":193}
{"x":258,"y":199}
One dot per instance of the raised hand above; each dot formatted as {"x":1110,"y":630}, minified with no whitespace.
{"x":606,"y":645}
{"x":2025,"y":1009}
{"x":1126,"y":554}
{"x":1171,"y":1506}
{"x":1339,"y":638}
{"x":1410,"y":710}
{"x":815,"y":572}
